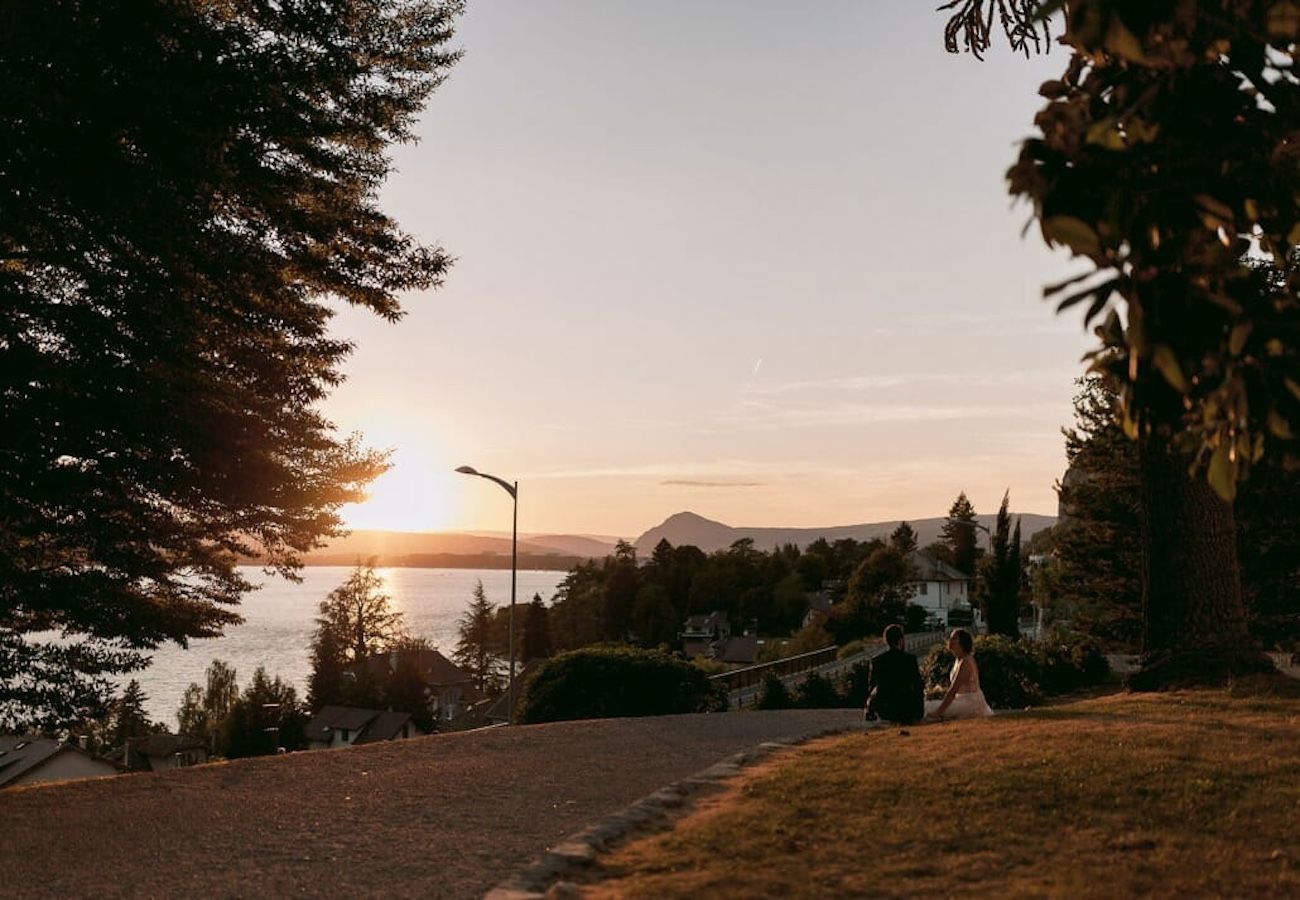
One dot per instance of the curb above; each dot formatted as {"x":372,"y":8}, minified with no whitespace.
{"x":579,"y":850}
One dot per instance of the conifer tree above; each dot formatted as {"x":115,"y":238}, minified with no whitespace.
{"x":476,"y":649}
{"x":958,"y":533}
{"x":903,"y":538}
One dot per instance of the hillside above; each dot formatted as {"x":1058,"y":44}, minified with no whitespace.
{"x":708,"y":535}
{"x":453,"y":549}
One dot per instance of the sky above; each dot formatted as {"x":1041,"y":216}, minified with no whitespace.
{"x":751,"y":259}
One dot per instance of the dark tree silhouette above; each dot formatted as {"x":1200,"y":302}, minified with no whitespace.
{"x":186,"y":188}
{"x":958,"y":533}
{"x":903,"y":538}
{"x":1002,"y":575}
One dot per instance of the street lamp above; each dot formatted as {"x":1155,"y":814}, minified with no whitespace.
{"x":513,"y":491}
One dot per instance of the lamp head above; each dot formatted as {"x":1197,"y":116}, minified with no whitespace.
{"x":467,"y":470}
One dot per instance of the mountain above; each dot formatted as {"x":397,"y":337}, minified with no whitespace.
{"x":690,"y":528}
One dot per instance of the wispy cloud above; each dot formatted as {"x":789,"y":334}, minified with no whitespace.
{"x":885,"y":381}
{"x":690,"y":482}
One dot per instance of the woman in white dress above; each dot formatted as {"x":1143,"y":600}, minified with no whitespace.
{"x":963,"y":699}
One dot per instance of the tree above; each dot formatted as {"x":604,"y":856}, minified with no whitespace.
{"x":653,"y":618}
{"x":476,"y":650}
{"x":1002,"y":575}
{"x":129,"y":716}
{"x":537,"y":631}
{"x":877,"y":596}
{"x":188,"y":188}
{"x":205,"y":710}
{"x":903,"y":539}
{"x":265,"y":718}
{"x":1164,"y":163}
{"x":358,"y":616}
{"x":958,"y":533}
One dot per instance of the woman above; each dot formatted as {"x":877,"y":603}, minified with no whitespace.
{"x":963,"y":699}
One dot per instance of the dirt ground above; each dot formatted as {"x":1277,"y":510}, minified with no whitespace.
{"x":442,"y":816}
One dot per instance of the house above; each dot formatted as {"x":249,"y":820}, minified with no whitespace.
{"x":939,"y":588}
{"x":701,"y":632}
{"x":739,"y":650}
{"x":819,"y":607}
{"x":31,"y":760}
{"x":343,"y":726}
{"x":450,"y":689}
{"x":159,"y":752}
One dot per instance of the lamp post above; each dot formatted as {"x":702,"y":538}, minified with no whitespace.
{"x":513,"y":490}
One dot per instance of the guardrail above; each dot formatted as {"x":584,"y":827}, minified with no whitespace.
{"x":739,"y":679}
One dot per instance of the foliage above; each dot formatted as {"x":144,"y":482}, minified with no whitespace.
{"x":129,"y":716}
{"x":958,"y":533}
{"x":773,"y":694}
{"x":855,"y":685}
{"x":266,"y":716}
{"x":816,"y":691}
{"x":903,"y":538}
{"x":852,"y":648}
{"x":915,"y":617}
{"x":1018,"y":673}
{"x":537,"y":637}
{"x":877,"y":596}
{"x":204,"y":710}
{"x":477,"y":650}
{"x":355,"y":621}
{"x":1164,"y":163}
{"x":190,"y":190}
{"x":616,"y":681}
{"x":1002,"y":575}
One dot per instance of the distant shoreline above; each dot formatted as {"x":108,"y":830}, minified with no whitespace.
{"x":547,"y":563}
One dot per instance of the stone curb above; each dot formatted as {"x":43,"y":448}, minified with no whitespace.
{"x":546,"y":873}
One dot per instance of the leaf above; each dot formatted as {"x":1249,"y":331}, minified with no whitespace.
{"x":1123,"y":43}
{"x":1292,"y":386}
{"x":1237,"y":340}
{"x":1279,"y":427}
{"x":1222,"y":473}
{"x":1164,"y":359}
{"x":1071,"y":232}
{"x":1105,"y":133}
{"x":1062,"y":285}
{"x":1284,"y":20}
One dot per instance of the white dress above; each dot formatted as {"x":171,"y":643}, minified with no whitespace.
{"x":965,"y":705}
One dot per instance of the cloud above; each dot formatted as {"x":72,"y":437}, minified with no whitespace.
{"x":688,"y":482}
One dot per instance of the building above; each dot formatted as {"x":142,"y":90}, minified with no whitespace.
{"x":939,"y":588}
{"x":819,"y":607}
{"x":31,"y":760}
{"x":343,"y":726}
{"x":160,"y":752}
{"x":700,"y":633}
{"x":449,"y":689}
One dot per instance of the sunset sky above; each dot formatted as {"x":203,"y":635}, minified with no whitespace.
{"x":751,"y":259}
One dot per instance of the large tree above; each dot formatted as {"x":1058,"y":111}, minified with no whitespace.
{"x":477,"y":647}
{"x":958,"y":532}
{"x":355,"y":620}
{"x":1167,"y":162}
{"x":1002,"y":576}
{"x":189,"y":189}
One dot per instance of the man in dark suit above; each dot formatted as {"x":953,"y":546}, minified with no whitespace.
{"x":894,"y":691}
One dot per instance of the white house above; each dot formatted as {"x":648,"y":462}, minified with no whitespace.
{"x":343,"y":726}
{"x":29,"y":760}
{"x":159,"y":752}
{"x":939,"y":587}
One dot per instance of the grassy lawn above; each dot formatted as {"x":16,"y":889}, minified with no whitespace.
{"x":1180,"y":794}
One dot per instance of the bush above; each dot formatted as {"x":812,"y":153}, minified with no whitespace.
{"x":775,"y":695}
{"x":850,"y":649}
{"x":915,"y":618}
{"x":600,"y":682}
{"x":854,"y":685}
{"x":817,"y":692}
{"x":1014,"y":674}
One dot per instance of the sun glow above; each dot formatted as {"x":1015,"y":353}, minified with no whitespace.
{"x":411,"y":496}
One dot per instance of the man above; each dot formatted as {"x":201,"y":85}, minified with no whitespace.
{"x":894,"y":690}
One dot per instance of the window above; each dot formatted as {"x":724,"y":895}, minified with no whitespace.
{"x":925,"y":588}
{"x":344,"y":733}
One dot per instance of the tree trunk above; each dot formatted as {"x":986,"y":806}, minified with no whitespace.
{"x":1194,"y":621}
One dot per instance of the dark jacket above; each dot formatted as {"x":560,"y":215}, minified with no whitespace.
{"x":894,"y":688}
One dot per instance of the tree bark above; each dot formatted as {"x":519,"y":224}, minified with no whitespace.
{"x":1194,"y":620}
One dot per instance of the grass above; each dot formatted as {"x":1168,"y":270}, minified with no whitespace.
{"x":1182,"y":794}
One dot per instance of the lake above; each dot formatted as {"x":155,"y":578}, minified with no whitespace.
{"x":279,"y":621}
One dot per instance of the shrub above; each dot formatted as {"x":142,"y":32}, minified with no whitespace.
{"x":817,"y":692}
{"x":599,"y":682}
{"x":854,"y":686}
{"x":1014,"y":674}
{"x":775,"y":695}
{"x":850,"y":649}
{"x":915,"y":618}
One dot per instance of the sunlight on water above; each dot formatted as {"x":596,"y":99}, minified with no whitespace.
{"x":279,"y":623}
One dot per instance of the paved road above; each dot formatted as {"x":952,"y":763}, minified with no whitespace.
{"x":443,"y":816}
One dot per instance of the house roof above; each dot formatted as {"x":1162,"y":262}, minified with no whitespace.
{"x":930,"y":569}
{"x":383,"y":727}
{"x":329,"y":718}
{"x":160,"y":745}
{"x":21,"y":753}
{"x":818,"y":601}
{"x":738,"y":650}
{"x":435,"y":669}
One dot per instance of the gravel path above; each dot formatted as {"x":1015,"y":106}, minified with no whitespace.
{"x":442,"y":816}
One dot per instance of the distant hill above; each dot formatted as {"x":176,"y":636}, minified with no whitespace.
{"x":708,"y":535}
{"x":403,"y":547}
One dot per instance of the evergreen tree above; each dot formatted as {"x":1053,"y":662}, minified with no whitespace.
{"x":264,"y":718}
{"x":537,"y":631}
{"x":357,"y":618}
{"x":476,"y":650}
{"x":1001,"y":575}
{"x":958,"y":533}
{"x":129,"y":718}
{"x":903,"y":538}
{"x":190,"y":190}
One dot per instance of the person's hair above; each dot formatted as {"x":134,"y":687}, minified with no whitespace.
{"x":894,"y":635}
{"x":963,"y":637}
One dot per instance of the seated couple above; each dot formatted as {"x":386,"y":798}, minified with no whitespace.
{"x":895,"y":693}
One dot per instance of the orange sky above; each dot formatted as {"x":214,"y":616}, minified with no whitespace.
{"x":750,"y":259}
